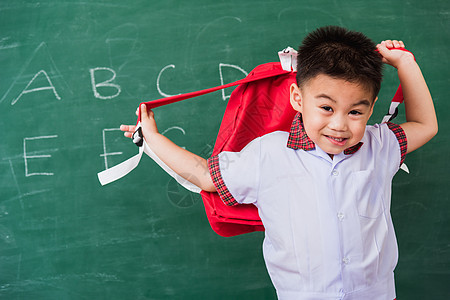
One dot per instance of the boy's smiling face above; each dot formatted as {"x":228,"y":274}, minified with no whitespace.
{"x":334,"y":111}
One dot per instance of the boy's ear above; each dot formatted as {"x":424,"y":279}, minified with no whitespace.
{"x":295,"y":97}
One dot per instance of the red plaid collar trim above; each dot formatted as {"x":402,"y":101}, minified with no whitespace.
{"x":298,"y":139}
{"x":353,"y":149}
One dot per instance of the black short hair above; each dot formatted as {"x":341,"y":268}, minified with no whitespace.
{"x":340,"y":53}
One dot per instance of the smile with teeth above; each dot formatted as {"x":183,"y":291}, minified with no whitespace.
{"x":336,"y":140}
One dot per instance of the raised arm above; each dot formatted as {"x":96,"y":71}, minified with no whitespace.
{"x":421,"y":123}
{"x":186,"y":164}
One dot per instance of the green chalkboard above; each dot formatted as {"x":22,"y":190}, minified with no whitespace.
{"x":73,"y":71}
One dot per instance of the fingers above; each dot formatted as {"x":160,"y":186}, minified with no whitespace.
{"x":143,"y":109}
{"x":383,"y":50}
{"x":146,"y":113}
{"x":128,"y":130}
{"x":127,"y":127}
{"x":393,"y":44}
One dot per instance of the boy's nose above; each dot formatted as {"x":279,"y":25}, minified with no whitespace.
{"x":338,"y":123}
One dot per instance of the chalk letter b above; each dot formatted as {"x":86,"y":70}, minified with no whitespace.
{"x":106,"y":83}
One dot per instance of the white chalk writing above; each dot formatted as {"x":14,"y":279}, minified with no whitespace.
{"x":221,"y":65}
{"x":42,"y":88}
{"x":159,"y":77}
{"x":106,"y":154}
{"x":106,"y":83}
{"x":27,"y":157}
{"x":174,"y":128}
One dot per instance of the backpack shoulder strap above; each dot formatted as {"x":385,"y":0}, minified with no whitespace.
{"x":260,"y":72}
{"x":396,"y":100}
{"x":263,"y":71}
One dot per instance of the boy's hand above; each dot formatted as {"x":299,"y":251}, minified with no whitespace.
{"x":147,"y":122}
{"x":186,"y":164}
{"x":421,"y":124}
{"x":394,"y":57}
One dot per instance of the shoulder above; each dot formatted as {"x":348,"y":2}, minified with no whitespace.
{"x":257,"y":147}
{"x":273,"y":140}
{"x":384,"y":131}
{"x":387,"y":138}
{"x":275,"y":137}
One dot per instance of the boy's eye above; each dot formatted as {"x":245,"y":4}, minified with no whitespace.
{"x":327,"y":108}
{"x":355,"y":112}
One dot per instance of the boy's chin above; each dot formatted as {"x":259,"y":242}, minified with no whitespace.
{"x":332,"y":149}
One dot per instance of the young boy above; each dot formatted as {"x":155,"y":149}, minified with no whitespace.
{"x":323,"y":191}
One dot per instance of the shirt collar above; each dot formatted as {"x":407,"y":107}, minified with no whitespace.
{"x":298,"y":139}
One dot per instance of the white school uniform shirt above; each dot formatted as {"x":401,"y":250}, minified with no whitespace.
{"x":328,"y":227}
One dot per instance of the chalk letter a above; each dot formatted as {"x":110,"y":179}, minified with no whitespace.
{"x":43,"y":88}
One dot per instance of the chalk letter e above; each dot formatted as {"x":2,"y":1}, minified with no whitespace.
{"x":26,"y":157}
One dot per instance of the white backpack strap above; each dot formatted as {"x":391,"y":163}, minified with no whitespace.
{"x":288,"y":59}
{"x":122,"y":169}
{"x":185,"y":183}
{"x":404,"y":167}
{"x":392,"y":113}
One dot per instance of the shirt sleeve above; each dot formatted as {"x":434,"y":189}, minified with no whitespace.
{"x":387,"y":142}
{"x":236,"y":174}
{"x":401,"y":138}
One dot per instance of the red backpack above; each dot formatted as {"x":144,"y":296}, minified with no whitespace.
{"x":259,"y":105}
{"x":254,"y":109}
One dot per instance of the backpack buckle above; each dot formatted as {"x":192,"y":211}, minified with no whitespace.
{"x":288,"y":59}
{"x":138,"y":137}
{"x":392,"y":116}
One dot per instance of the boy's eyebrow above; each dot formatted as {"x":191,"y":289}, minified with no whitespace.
{"x":362,"y":102}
